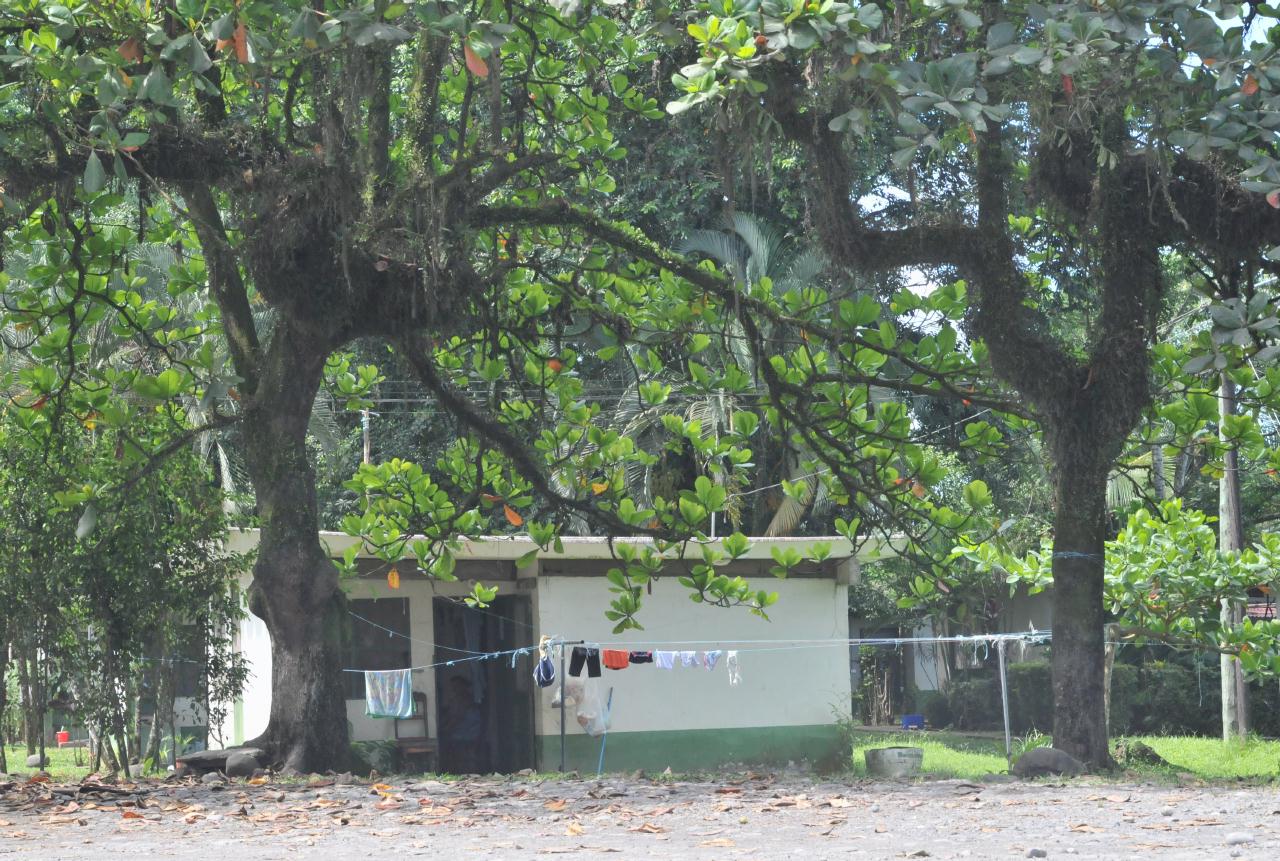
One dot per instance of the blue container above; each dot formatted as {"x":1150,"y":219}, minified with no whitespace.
{"x":913,"y":721}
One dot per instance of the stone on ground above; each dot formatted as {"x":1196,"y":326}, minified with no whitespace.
{"x":204,"y":761}
{"x":34,"y":761}
{"x":241,"y":764}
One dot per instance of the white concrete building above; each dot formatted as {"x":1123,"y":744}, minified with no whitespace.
{"x":795,"y":672}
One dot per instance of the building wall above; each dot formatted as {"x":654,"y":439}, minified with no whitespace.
{"x":785,"y":707}
{"x":248,"y":717}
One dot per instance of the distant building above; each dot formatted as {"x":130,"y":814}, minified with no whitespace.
{"x":791,"y":692}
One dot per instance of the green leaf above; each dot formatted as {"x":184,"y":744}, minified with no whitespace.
{"x":95,"y":177}
{"x":977,"y":495}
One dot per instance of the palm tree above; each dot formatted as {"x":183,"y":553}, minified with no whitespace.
{"x":750,"y":250}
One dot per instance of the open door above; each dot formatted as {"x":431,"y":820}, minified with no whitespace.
{"x":484,"y":708}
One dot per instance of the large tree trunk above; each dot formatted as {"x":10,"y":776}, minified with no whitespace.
{"x":165,"y":684}
{"x":1080,"y":532}
{"x":295,"y":584}
{"x":4,"y":699}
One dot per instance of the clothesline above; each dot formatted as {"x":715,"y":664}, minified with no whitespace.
{"x":762,"y":646}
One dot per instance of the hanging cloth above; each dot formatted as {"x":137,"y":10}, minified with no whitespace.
{"x":615,"y":659}
{"x":735,"y":671}
{"x":544,"y":671}
{"x":664,"y":660}
{"x":689,"y":658}
{"x":710,"y":659}
{"x":388,"y":694}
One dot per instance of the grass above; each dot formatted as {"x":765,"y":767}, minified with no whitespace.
{"x":62,"y":762}
{"x":960,"y":756}
{"x":945,"y":754}
{"x":1214,"y":759}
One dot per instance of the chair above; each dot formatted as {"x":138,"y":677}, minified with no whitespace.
{"x":417,"y":744}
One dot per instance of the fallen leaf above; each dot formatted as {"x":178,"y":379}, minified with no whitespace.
{"x":1250,"y":85}
{"x":556,"y":805}
{"x":513,"y":516}
{"x":719,"y":841}
{"x":475,"y":64}
{"x":1086,"y":828}
{"x":258,"y":781}
{"x":69,"y":807}
{"x":388,"y":804}
{"x":130,"y":814}
{"x":574,"y":829}
{"x":648,"y":828}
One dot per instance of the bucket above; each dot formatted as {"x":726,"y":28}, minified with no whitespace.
{"x":894,"y":761}
{"x":63,"y":737}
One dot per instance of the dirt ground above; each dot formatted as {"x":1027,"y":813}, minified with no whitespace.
{"x":747,"y":817}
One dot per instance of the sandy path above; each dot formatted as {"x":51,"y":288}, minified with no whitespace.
{"x":757,"y":817}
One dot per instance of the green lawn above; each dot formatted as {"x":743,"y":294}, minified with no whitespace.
{"x":62,"y":763}
{"x":954,"y":755}
{"x":945,"y":754}
{"x":1215,"y":759}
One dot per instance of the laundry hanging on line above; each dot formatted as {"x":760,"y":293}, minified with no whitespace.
{"x":388,"y":693}
{"x":615,"y":659}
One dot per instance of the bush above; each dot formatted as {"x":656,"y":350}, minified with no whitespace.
{"x":1170,"y":700}
{"x":1154,"y":698}
{"x":1030,"y":697}
{"x":379,"y":756}
{"x":935,"y":708}
{"x":972,"y":702}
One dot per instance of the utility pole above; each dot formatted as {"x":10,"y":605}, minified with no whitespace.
{"x":1235,"y":710}
{"x":368,"y":447}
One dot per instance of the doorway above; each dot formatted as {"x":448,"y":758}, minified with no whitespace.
{"x":484,"y":709}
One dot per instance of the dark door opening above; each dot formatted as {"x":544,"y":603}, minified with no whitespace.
{"x":484,"y":708}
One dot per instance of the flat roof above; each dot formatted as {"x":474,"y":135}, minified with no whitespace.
{"x":512,"y":547}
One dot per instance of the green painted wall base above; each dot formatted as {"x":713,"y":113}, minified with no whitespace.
{"x":693,"y":750}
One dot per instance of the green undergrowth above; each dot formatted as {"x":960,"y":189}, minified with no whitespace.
{"x":65,"y":764}
{"x":957,"y":755}
{"x":1215,"y":759}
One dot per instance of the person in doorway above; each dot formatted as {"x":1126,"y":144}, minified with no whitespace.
{"x":461,"y":728}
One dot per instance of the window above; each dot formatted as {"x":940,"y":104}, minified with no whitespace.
{"x":369,"y":644}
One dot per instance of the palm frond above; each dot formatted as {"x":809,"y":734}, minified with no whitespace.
{"x":726,"y":249}
{"x":803,"y":269}
{"x":763,"y":243}
{"x":323,"y":425}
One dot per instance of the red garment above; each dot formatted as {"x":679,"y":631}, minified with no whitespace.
{"x":615,"y":659}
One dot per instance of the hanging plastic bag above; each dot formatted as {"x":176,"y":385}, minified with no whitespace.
{"x":572,"y":690}
{"x":593,"y":717}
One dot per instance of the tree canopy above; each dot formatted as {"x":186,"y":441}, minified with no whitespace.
{"x":435,"y":178}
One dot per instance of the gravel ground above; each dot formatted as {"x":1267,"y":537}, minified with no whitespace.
{"x":748,"y":817}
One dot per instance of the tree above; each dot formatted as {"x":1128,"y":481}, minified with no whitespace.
{"x":1129,"y":124}
{"x":409,"y":175}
